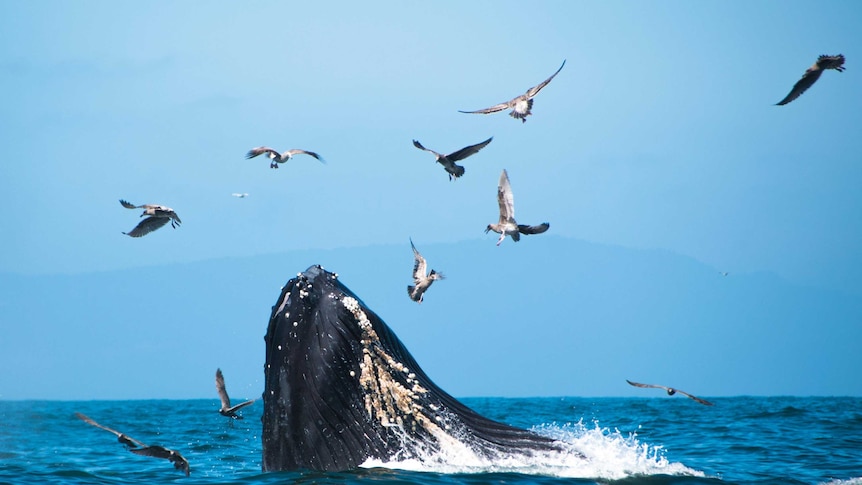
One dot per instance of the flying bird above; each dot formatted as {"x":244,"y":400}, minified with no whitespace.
{"x":121,"y":437}
{"x":140,"y":448}
{"x":240,"y":196}
{"x":421,"y":281}
{"x":812,"y":74}
{"x":275,"y":158}
{"x":671,"y":391}
{"x":507,"y":225}
{"x":448,"y":161}
{"x":226,"y":409}
{"x":157,"y":216}
{"x":522,"y":105}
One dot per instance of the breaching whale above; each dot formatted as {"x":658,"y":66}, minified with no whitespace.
{"x":341,"y":388}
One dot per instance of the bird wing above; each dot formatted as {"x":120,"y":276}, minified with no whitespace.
{"x":222,"y":392}
{"x":419,"y":146}
{"x":419,"y":265}
{"x":180,"y":463}
{"x":808,"y":79}
{"x":147,"y":226}
{"x":830,"y":62}
{"x":467,"y":151}
{"x":88,"y":420}
{"x":505,"y":199}
{"x":702,"y":401}
{"x":297,"y":151}
{"x":241,"y":405}
{"x":493,"y":109}
{"x":259,"y":151}
{"x":525,"y":229}
{"x":128,"y":205}
{"x":535,"y":89}
{"x":638,"y":384}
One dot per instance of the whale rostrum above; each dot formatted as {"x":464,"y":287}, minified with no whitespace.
{"x":341,"y":389}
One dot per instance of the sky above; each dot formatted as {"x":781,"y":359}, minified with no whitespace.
{"x":660,"y":134}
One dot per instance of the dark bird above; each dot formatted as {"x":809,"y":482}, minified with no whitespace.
{"x":421,"y":281}
{"x":121,"y":437}
{"x":177,"y":459}
{"x":226,"y":409}
{"x":522,"y":105}
{"x":180,"y":463}
{"x":671,"y":391}
{"x":507,"y":225}
{"x":275,"y":158}
{"x":448,"y":161}
{"x":812,"y":74}
{"x":157,"y":216}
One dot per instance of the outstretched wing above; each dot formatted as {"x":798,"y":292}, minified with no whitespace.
{"x":241,"y":405}
{"x":702,"y":401}
{"x":808,"y":79}
{"x":259,"y":151}
{"x":128,"y":205}
{"x":297,"y":151}
{"x":180,"y":463}
{"x":147,"y":226}
{"x":222,"y":392}
{"x":638,"y":384}
{"x":419,"y":264}
{"x":535,"y":89}
{"x":467,"y":151}
{"x":122,"y":437}
{"x":419,"y":146}
{"x":525,"y":229}
{"x":493,"y":109}
{"x":505,"y":199}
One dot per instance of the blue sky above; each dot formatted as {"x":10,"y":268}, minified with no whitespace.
{"x":659,"y":134}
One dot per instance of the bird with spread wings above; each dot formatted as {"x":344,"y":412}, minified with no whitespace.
{"x":522,"y":105}
{"x":507,"y":226}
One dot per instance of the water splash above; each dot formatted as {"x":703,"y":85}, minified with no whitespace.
{"x":589,"y":452}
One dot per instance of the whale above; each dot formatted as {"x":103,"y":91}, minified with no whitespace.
{"x":341,"y":389}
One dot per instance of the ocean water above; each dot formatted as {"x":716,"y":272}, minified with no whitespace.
{"x":654,"y":440}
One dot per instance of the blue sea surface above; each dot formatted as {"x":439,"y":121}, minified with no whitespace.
{"x":660,"y":440}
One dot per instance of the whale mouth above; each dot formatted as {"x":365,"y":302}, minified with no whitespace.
{"x":341,"y":389}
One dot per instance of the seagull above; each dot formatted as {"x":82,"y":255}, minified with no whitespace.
{"x":723,"y":273}
{"x":671,"y":391}
{"x":421,"y":282}
{"x":121,"y":437}
{"x":276,"y":158}
{"x":226,"y":409}
{"x":522,"y":105}
{"x":240,"y":196}
{"x":448,"y":161}
{"x":177,"y":459}
{"x":812,"y":74}
{"x":507,"y":225}
{"x":159,"y":215}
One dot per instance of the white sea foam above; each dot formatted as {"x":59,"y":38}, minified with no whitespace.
{"x":849,"y":481}
{"x":590,"y":452}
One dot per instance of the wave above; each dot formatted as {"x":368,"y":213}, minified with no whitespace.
{"x":589,"y":452}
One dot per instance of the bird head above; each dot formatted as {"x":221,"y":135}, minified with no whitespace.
{"x":487,"y":228}
{"x":436,"y":276}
